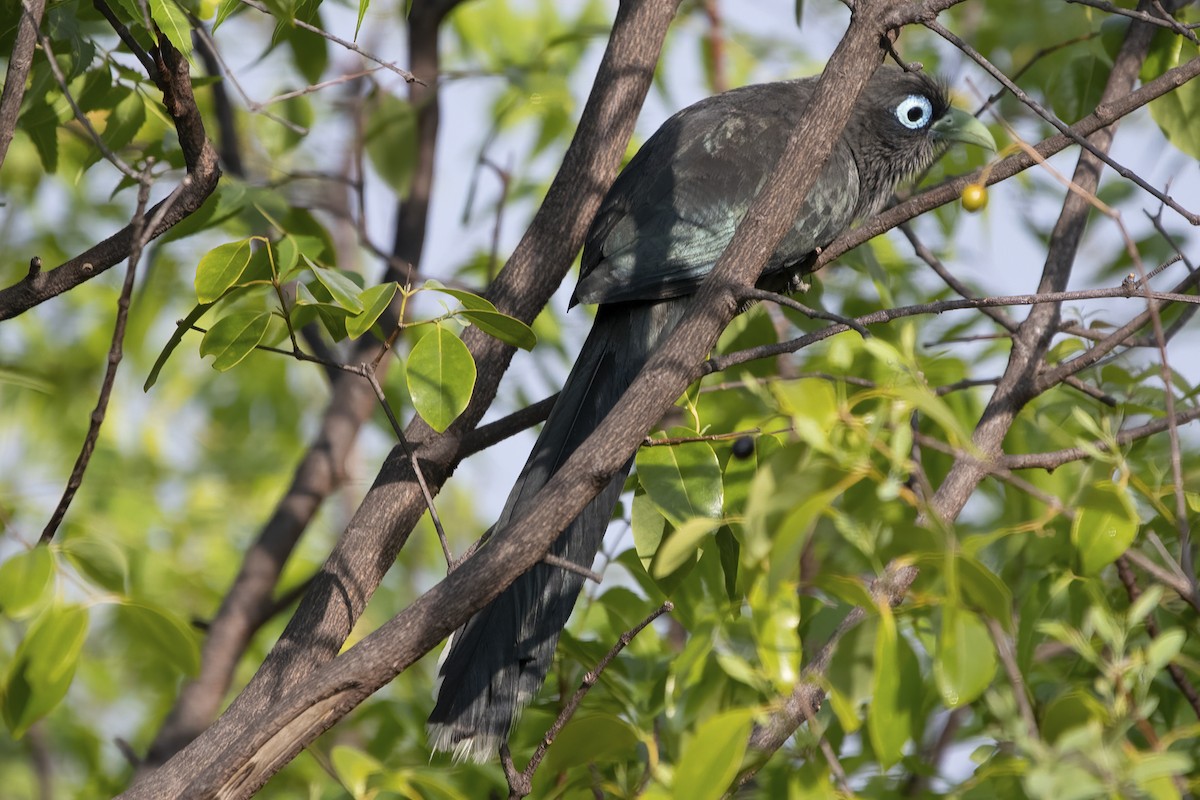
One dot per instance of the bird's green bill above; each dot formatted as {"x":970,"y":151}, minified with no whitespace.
{"x":959,"y":126}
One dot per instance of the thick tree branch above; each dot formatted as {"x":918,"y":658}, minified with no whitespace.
{"x":1034,"y":336}
{"x":19,"y":64}
{"x":394,"y":504}
{"x":249,"y":604}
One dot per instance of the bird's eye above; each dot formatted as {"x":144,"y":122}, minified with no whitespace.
{"x":914,"y":112}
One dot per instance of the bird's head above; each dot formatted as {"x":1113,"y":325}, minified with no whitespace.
{"x":900,"y":124}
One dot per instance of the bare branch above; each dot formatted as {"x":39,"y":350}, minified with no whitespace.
{"x":351,"y":46}
{"x":724,"y":362}
{"x":1170,"y":23}
{"x":116,"y":349}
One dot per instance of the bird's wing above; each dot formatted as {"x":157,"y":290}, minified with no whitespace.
{"x":673,"y":210}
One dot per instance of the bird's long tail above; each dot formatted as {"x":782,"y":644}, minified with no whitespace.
{"x":497,"y":662}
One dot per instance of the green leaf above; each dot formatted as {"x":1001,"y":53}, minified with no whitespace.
{"x":100,"y":559}
{"x":591,"y":739}
{"x":1068,"y":711}
{"x":466,"y":299}
{"x":234,"y":337}
{"x":1178,"y":115}
{"x":342,"y":289}
{"x":776,"y":620}
{"x":682,"y":544}
{"x":1152,"y":767}
{"x":363,"y":5}
{"x":124,"y":121}
{"x":1163,"y":649}
{"x":441,"y":377}
{"x":896,"y":697}
{"x":712,"y":755}
{"x":509,"y":330}
{"x":220,"y":268}
{"x":813,"y":406}
{"x":310,"y":51}
{"x":181,"y":329}
{"x":1178,"y":111}
{"x":391,"y":136}
{"x":1147,"y":602}
{"x":44,"y":666}
{"x":649,"y":527}
{"x":375,"y":301}
{"x":966,"y":657}
{"x":40,"y":121}
{"x":984,"y":589}
{"x":851,"y":671}
{"x":354,"y":768}
{"x":173,"y":22}
{"x":224,"y":11}
{"x":24,"y":579}
{"x":683,"y":480}
{"x":1105,"y":524}
{"x":167,"y":637}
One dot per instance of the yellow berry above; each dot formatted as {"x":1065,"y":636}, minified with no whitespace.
{"x":974,"y":197}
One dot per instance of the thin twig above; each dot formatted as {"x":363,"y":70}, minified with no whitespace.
{"x":1167,"y":22}
{"x":1186,"y":555}
{"x":351,"y":46}
{"x":1061,"y":126}
{"x":762,"y":295}
{"x":1175,"y":582}
{"x":80,"y":117}
{"x":728,"y":360}
{"x":368,"y":372}
{"x":116,"y":349}
{"x":228,"y":73}
{"x":128,"y":38}
{"x":1004,"y":649}
{"x":520,"y":787}
{"x":571,"y":566}
{"x":1129,"y":581}
{"x":505,"y":176}
{"x":315,"y":87}
{"x":1054,"y":459}
{"x":708,"y":437}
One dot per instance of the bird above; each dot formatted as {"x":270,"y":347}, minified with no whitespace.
{"x":659,"y":231}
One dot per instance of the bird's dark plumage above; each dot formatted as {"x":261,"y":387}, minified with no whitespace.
{"x":659,"y":231}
